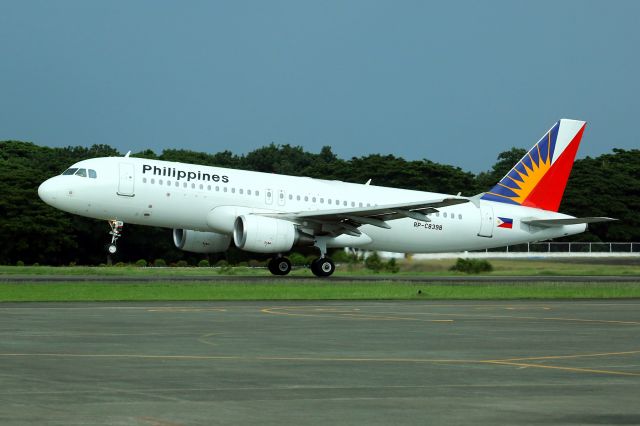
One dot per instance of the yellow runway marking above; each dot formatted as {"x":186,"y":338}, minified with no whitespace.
{"x":295,"y":311}
{"x":346,"y":314}
{"x":204,"y":339}
{"x":185,"y":309}
{"x":555,"y":367}
{"x":509,"y":362}
{"x":541,"y":358}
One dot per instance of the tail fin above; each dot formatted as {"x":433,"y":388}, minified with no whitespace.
{"x":540,"y":177}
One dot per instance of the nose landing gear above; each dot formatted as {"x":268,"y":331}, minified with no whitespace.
{"x":116,"y":232}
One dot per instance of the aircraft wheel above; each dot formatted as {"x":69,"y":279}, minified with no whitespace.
{"x":279,"y":266}
{"x":112,"y":249}
{"x":323,"y":267}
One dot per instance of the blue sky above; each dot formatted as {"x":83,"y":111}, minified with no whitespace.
{"x":454,"y":82}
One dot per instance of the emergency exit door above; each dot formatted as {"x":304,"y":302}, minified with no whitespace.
{"x":486,"y":221}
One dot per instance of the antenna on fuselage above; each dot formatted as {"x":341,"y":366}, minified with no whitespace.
{"x":127,"y":154}
{"x":368,"y":182}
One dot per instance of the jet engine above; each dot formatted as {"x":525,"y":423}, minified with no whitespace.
{"x":267,"y":235}
{"x":200,"y":242}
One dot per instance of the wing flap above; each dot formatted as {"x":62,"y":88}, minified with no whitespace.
{"x":348,"y":220}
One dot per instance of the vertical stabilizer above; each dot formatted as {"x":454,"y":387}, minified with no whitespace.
{"x":540,"y":177}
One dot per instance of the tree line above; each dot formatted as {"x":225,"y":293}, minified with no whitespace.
{"x":33,"y":232}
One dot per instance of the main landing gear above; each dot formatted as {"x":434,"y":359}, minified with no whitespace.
{"x":279,"y":265}
{"x":323,"y":266}
{"x":116,"y":232}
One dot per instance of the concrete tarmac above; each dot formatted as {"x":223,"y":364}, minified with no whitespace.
{"x":318,"y":363}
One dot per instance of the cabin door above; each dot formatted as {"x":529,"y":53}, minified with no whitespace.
{"x":125,"y":184}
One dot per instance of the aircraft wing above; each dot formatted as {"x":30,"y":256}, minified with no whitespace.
{"x":549,"y":223}
{"x":346,"y":221}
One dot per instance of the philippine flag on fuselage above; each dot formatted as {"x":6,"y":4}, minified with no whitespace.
{"x":505,"y":222}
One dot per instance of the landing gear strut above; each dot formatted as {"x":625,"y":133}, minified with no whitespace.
{"x":279,"y":265}
{"x":116,"y":232}
{"x":322,"y":266}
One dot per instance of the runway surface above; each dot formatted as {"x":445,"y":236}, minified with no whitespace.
{"x":266,"y":279}
{"x":318,"y":363}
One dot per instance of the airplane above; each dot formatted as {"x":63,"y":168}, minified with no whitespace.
{"x":208,"y":207}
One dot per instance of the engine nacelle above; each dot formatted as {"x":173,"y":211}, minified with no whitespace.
{"x":200,"y":242}
{"x":267,"y":235}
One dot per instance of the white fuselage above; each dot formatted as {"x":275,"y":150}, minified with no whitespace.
{"x":202,"y":198}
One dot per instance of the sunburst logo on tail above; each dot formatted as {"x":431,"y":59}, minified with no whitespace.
{"x":518,"y":184}
{"x":539,"y":178}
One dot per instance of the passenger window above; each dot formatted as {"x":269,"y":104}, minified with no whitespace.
{"x":313,"y":199}
{"x":144,"y":180}
{"x":240,"y":191}
{"x":257,"y":193}
{"x":92,"y":174}
{"x":306,"y":198}
{"x":444,"y":214}
{"x":201,"y":187}
{"x":248,"y":192}
{"x":460,"y":216}
{"x":321,"y":200}
{"x":290,"y":197}
{"x":298,"y":198}
{"x":353,"y":204}
{"x":177,"y":184}
{"x":69,"y":171}
{"x":193,"y":186}
{"x":359,"y":204}
{"x":160,"y":181}
{"x":81,"y":172}
{"x":224,"y":189}
{"x":208,"y":187}
{"x":184,"y":185}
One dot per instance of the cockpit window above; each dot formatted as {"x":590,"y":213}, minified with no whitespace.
{"x":81,"y":172}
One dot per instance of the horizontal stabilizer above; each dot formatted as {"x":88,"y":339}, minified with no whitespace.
{"x":549,"y":223}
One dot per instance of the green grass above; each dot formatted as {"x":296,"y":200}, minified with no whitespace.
{"x":538,"y":267}
{"x":165,"y":291}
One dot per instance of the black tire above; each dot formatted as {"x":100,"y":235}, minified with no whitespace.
{"x":279,"y":266}
{"x":323,"y":267}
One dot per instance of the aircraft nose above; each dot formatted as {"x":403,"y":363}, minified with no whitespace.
{"x":47,"y":191}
